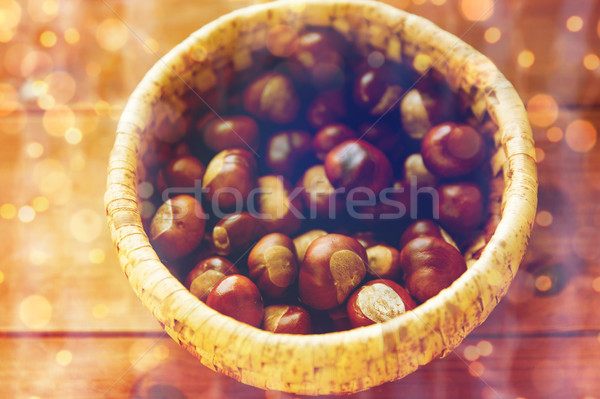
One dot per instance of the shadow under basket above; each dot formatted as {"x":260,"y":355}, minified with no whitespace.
{"x":362,"y":358}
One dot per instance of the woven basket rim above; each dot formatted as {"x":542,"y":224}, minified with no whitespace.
{"x":505,"y":248}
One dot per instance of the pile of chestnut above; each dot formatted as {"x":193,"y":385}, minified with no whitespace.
{"x":319,"y":189}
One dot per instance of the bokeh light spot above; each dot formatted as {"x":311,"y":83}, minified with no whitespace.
{"x":543,"y":283}
{"x":11,"y":14}
{"x":8,"y":211}
{"x":477,"y":10}
{"x":438,"y":2}
{"x":49,"y":175}
{"x":71,"y":35}
{"x":73,"y":136}
{"x":151,"y":45}
{"x":581,"y":135}
{"x":96,"y":256}
{"x":526,"y":58}
{"x":61,"y":85}
{"x":375,"y":59}
{"x":160,"y":352}
{"x":544,"y":218}
{"x":471,"y":353}
{"x":40,"y":204}
{"x":6,"y":35}
{"x":1,"y":277}
{"x":485,"y":348}
{"x":542,"y":110}
{"x":476,"y":369}
{"x":38,"y":256}
{"x":26,"y":214}
{"x":422,"y":62}
{"x":85,"y":225}
{"x":540,"y":155}
{"x":596,"y":284}
{"x":574,"y":23}
{"x":34,"y":150}
{"x":591,"y":62}
{"x":112,"y":34}
{"x":58,"y":120}
{"x":64,"y":357}
{"x":554,"y":134}
{"x":145,"y":190}
{"x":35,"y":311}
{"x":48,"y":38}
{"x":492,"y":35}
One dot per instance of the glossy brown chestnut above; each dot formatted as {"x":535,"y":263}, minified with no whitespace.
{"x":366,"y":238}
{"x":277,"y":208}
{"x":329,"y":136}
{"x":424,"y":107}
{"x":184,"y":171}
{"x":333,"y":266}
{"x":461,"y":207}
{"x":302,"y":242}
{"x":452,"y":149}
{"x":177,"y":226}
{"x":236,"y":233}
{"x":229,"y":178}
{"x":320,"y":197}
{"x":430,"y":264}
{"x":378,"y":301}
{"x":384,"y":262}
{"x":327,"y":107}
{"x":272,"y":97}
{"x":272,"y":264}
{"x":420,"y":228}
{"x":288,"y":152}
{"x":287,"y":319}
{"x":358,"y":164}
{"x":238,"y":297}
{"x":377,"y":90}
{"x":207,"y":273}
{"x":238,"y":131}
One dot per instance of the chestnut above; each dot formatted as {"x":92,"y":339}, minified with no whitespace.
{"x":237,"y":131}
{"x":327,"y":107}
{"x":366,"y":239}
{"x":238,"y":297}
{"x":333,"y":266}
{"x":321,"y":55}
{"x":384,"y":262}
{"x":302,"y":242}
{"x":424,"y":107}
{"x":338,"y":319}
{"x":236,"y":233}
{"x":229,"y":178}
{"x":277,"y":208}
{"x":430,"y":264}
{"x":416,"y":172}
{"x":177,"y":227}
{"x":272,"y":97}
{"x":453,"y":149}
{"x":320,"y":197}
{"x":287,"y":319}
{"x":358,"y":164}
{"x":272,"y":264}
{"x":329,"y":136}
{"x":461,"y":207}
{"x":420,"y":228}
{"x":378,"y":301}
{"x":377,"y":90}
{"x":288,"y":152}
{"x":184,"y":171}
{"x":207,"y":273}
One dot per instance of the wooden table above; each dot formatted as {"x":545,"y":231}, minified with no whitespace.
{"x":71,"y":327}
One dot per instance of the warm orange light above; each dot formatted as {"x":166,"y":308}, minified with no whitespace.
{"x":574,"y":23}
{"x":438,"y":2}
{"x":48,"y":38}
{"x":492,"y":35}
{"x":477,"y":10}
{"x":591,"y":61}
{"x":476,"y":369}
{"x":71,"y":35}
{"x":93,"y":69}
{"x":8,"y":211}
{"x":544,"y":218}
{"x":526,"y":58}
{"x":581,"y":135}
{"x":554,"y":134}
{"x":542,"y":110}
{"x":40,"y":204}
{"x":471,"y":353}
{"x":112,"y":34}
{"x":540,"y":155}
{"x":6,"y":35}
{"x":596,"y":284}
{"x":485,"y":348}
{"x":543,"y":283}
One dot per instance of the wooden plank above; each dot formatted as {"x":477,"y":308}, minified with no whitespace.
{"x":154,"y":367}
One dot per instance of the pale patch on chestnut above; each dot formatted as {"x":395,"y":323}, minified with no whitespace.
{"x":304,"y":240}
{"x":202,"y":284}
{"x":380,"y":303}
{"x":221,"y":240}
{"x":162,"y":221}
{"x":282,"y":267}
{"x":347,"y":270}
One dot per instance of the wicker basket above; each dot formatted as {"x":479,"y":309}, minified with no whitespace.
{"x":353,"y":360}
